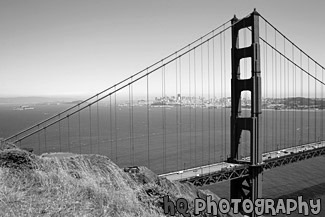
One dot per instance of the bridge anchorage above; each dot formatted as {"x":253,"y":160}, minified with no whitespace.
{"x":249,"y":187}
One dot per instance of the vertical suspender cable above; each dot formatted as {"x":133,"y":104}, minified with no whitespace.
{"x":302,"y":99}
{"x":315,"y":104}
{"x":60,"y":142}
{"x":131,"y":118}
{"x":97,"y":125}
{"x":222,"y":100}
{"x":272,"y":93}
{"x":280,"y":98}
{"x":214,"y":102}
{"x":130,"y":124}
{"x":265,"y":87}
{"x":209,"y":100}
{"x":39,"y":140}
{"x":177,"y":141}
{"x":263,"y":90}
{"x":45,"y":140}
{"x":110,"y":124}
{"x":79,"y":130}
{"x":108,"y":129}
{"x":115,"y":125}
{"x":322,"y":110}
{"x":162,"y":100}
{"x":294,"y":68}
{"x":285,"y":97}
{"x":195,"y":104}
{"x":288,"y":91}
{"x":202,"y":106}
{"x":132,"y":127}
{"x":180,"y":110}
{"x":276,"y":93}
{"x":294,"y":95}
{"x":68,"y":119}
{"x":190,"y":102}
{"x":90,"y":137}
{"x":163,"y":117}
{"x":308,"y":101}
{"x":148,"y":127}
{"x":165,"y":123}
{"x":225,"y":91}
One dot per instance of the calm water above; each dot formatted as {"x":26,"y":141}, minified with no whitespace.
{"x":187,"y":138}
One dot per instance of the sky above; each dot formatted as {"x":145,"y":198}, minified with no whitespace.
{"x":79,"y":47}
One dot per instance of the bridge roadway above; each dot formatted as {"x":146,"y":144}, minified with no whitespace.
{"x":224,"y":171}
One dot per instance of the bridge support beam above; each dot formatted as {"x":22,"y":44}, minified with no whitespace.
{"x":251,"y":187}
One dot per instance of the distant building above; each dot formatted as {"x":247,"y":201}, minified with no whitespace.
{"x":179,"y":97}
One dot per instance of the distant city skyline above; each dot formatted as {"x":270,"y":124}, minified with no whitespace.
{"x":77,"y":48}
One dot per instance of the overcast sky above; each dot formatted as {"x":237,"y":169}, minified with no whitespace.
{"x":80,"y":47}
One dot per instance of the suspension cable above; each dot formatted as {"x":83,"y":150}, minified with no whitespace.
{"x":114,"y":86}
{"x":291,"y":41}
{"x":117,"y":89}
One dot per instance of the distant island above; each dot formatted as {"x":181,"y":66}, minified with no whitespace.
{"x":23,"y":107}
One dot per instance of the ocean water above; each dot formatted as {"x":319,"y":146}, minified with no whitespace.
{"x":173,"y":139}
{"x":304,"y":179}
{"x":184,"y":137}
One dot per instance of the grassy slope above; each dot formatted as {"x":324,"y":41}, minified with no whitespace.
{"x":81,"y":185}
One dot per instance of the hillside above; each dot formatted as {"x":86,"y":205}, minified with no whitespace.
{"x":82,"y":185}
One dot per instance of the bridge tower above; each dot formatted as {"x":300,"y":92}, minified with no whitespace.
{"x":249,"y":187}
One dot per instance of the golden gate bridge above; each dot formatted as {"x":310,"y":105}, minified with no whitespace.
{"x":239,"y":100}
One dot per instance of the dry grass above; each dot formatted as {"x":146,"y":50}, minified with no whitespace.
{"x":88,"y":185}
{"x":80,"y":185}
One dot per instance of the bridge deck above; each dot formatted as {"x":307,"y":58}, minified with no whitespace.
{"x":224,"y":171}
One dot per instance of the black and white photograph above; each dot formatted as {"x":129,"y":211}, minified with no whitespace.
{"x":162,"y":108}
